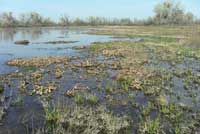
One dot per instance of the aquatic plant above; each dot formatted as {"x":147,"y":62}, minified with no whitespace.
{"x":108,"y":89}
{"x":79,"y":98}
{"x":43,"y":89}
{"x":174,"y":114}
{"x":162,"y":100}
{"x":151,"y":126}
{"x":52,"y":117}
{"x":92,"y":99}
{"x":147,"y":66}
{"x":92,"y":121}
{"x":126,"y":83}
{"x":18,"y":101}
{"x":145,"y":110}
{"x":37,"y":62}
{"x":58,"y":71}
{"x":22,"y":86}
{"x":79,"y":87}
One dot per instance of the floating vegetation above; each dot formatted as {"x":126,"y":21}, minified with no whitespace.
{"x":37,"y":75}
{"x":78,"y":87}
{"x":37,"y":62}
{"x":59,"y":71}
{"x":41,"y":90}
{"x":22,"y":86}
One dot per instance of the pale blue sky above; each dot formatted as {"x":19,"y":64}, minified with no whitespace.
{"x":84,"y":8}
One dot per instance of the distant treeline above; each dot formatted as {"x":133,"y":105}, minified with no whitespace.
{"x":166,"y":13}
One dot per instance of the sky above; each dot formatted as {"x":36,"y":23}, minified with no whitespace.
{"x":83,"y":8}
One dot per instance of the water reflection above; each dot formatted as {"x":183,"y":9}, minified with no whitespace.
{"x":34,"y":33}
{"x":9,"y":50}
{"x":65,"y":33}
{"x":7,"y":34}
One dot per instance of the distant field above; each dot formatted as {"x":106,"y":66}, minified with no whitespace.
{"x":155,"y":31}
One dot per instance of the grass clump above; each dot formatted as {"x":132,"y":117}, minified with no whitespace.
{"x":18,"y":102}
{"x":108,"y":89}
{"x":151,"y":127}
{"x":51,"y":117}
{"x":126,"y":84}
{"x":92,"y":99}
{"x":79,"y":99}
{"x":89,"y":121}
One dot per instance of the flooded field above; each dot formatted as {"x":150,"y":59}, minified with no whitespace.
{"x":98,"y":81}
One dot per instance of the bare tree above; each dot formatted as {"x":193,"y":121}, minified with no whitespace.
{"x":8,"y":20}
{"x":78,"y":22}
{"x":170,"y":12}
{"x":64,"y":20}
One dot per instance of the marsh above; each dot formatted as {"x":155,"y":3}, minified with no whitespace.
{"x":100,"y":75}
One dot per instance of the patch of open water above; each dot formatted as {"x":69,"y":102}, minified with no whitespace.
{"x":9,"y":50}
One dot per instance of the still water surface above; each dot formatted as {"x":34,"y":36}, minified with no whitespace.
{"x":8,"y":50}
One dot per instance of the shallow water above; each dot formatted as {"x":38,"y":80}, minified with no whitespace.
{"x":21,"y":119}
{"x":9,"y":50}
{"x":15,"y":116}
